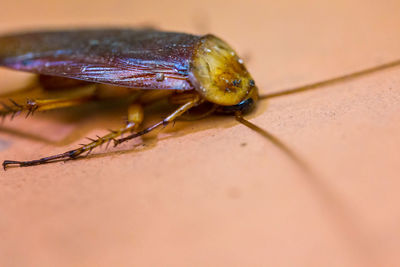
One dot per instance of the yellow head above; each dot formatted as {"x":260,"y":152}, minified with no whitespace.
{"x":220,"y":76}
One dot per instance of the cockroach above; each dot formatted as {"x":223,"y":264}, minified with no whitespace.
{"x":190,"y":70}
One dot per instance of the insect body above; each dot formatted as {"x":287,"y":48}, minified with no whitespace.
{"x":193,"y":70}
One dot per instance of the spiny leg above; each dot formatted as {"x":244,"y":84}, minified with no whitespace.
{"x":191,"y":102}
{"x":31,"y":106}
{"x":58,"y":92}
{"x":135,"y":117}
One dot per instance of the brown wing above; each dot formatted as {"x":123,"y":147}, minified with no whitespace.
{"x":145,"y":59}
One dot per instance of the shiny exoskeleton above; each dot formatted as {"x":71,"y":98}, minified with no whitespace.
{"x":190,"y":69}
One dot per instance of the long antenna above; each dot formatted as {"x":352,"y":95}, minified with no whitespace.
{"x":332,"y":80}
{"x":275,"y":141}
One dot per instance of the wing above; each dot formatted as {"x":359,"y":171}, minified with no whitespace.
{"x":145,"y":59}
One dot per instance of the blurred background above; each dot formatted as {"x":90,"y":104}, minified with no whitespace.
{"x":213,"y":192}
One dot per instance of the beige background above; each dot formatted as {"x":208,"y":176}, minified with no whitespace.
{"x":212,"y":192}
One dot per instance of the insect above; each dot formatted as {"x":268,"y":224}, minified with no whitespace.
{"x":190,"y":70}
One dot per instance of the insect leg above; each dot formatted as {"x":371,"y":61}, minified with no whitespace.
{"x":31,"y":106}
{"x":202,"y":111}
{"x":135,"y":117}
{"x":195,"y":100}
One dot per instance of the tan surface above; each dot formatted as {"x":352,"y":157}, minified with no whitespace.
{"x":196,"y":196}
